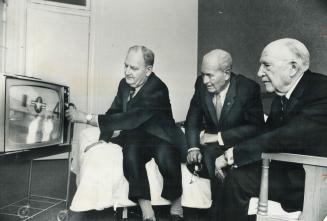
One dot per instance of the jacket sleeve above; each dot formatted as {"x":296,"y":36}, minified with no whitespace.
{"x":254,"y":120}
{"x":134,"y":117}
{"x":194,"y":118}
{"x":117,"y":106}
{"x":304,"y":133}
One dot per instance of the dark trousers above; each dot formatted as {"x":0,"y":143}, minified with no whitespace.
{"x":210,"y":152}
{"x":138,"y":148}
{"x":286,"y":185}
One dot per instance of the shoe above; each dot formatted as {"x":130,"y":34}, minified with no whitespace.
{"x":176,"y":218}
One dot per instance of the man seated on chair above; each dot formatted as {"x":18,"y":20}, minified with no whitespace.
{"x":226,"y":107}
{"x":297,"y":123}
{"x":140,"y":120}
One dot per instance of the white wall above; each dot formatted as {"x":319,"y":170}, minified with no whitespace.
{"x":167,"y":27}
{"x":2,"y":44}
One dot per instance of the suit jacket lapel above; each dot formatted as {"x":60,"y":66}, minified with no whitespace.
{"x":296,"y":94}
{"x":211,"y":108}
{"x":229,"y":100}
{"x":125,"y":98}
{"x":143,"y":90}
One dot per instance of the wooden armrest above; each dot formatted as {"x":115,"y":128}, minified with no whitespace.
{"x":315,"y":184}
{"x":296,"y":158}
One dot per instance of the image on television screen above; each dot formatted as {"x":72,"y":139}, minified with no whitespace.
{"x":34,"y":115}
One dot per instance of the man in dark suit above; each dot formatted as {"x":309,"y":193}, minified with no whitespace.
{"x":297,"y":123}
{"x":226,"y":107}
{"x":140,"y":120}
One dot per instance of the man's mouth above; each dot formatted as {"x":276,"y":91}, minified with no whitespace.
{"x":265,"y":81}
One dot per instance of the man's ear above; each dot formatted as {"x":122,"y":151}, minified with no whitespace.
{"x":148,"y":70}
{"x":295,"y":68}
{"x":227,"y":74}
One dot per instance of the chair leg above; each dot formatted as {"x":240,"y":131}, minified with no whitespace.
{"x":125,"y":213}
{"x":263,"y":198}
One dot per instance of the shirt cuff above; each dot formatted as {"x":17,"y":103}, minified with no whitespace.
{"x":193,"y":148}
{"x":220,"y":139}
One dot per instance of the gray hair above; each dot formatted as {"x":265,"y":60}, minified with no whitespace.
{"x":148,"y":54}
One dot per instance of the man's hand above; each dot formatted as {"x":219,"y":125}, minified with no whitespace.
{"x":75,"y":115}
{"x":194,"y":156}
{"x":220,"y":163}
{"x":229,"y":156}
{"x":116,"y":133}
{"x":208,"y":138}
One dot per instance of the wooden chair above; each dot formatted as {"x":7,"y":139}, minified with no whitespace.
{"x":315,"y":193}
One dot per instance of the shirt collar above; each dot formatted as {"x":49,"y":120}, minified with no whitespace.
{"x":223,"y":93}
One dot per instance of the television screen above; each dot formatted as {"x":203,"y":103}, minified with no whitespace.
{"x":35,"y":115}
{"x":32,"y":113}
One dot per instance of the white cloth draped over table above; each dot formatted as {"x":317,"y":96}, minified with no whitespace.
{"x":101,"y":182}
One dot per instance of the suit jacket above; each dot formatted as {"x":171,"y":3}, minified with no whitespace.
{"x":241,"y":116}
{"x":303,"y":129}
{"x":149,"y":111}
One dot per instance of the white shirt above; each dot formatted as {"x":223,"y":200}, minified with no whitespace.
{"x":222,"y":95}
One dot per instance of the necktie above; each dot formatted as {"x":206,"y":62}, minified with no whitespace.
{"x":218,"y":105}
{"x":283,"y":101}
{"x":282,"y":108}
{"x":131,"y":93}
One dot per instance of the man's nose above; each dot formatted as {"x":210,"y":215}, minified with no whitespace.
{"x":127,"y":70}
{"x":205,"y":79}
{"x":260,"y":72}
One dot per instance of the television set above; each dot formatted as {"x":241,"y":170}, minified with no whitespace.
{"x":32,"y":113}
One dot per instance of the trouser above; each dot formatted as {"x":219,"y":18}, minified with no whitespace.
{"x":138,"y":148}
{"x":286,"y":185}
{"x":210,"y":152}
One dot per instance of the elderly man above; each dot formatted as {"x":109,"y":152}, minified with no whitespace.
{"x":226,"y":107}
{"x":297,"y":123}
{"x":140,"y":120}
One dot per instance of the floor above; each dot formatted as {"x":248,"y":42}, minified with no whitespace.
{"x":49,"y":179}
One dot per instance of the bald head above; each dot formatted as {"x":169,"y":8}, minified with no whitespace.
{"x":219,"y":59}
{"x":215,"y":69}
{"x":283,"y":62}
{"x":290,"y":49}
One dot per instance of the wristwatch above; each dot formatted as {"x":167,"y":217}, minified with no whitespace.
{"x":88,"y":118}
